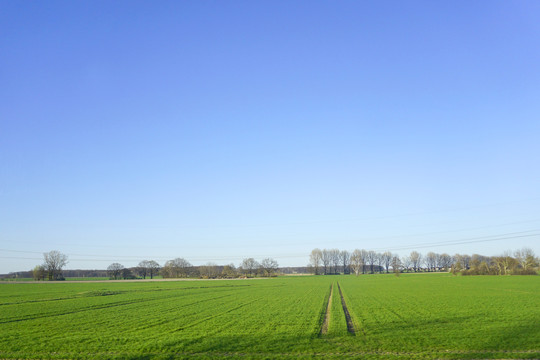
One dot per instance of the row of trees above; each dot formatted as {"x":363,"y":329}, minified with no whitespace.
{"x":54,"y":262}
{"x":181,"y":268}
{"x":249,"y":267}
{"x":521,"y":262}
{"x":321,"y":262}
{"x":334,"y":261}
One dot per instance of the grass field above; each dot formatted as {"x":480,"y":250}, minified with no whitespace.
{"x":420,"y":316}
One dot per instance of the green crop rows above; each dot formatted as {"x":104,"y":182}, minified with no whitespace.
{"x":411,"y":316}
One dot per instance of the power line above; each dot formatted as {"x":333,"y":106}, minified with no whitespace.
{"x":228,"y":246}
{"x":457,"y":242}
{"x":448,"y":242}
{"x":507,"y":236}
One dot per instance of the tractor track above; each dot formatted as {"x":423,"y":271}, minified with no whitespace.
{"x":350,"y":323}
{"x":326,"y":318}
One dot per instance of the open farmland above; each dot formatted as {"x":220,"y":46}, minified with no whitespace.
{"x":411,"y":316}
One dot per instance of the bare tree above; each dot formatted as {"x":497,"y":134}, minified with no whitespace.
{"x":176,"y":268}
{"x":416,"y":260}
{"x":396,"y":265}
{"x":386,"y":259}
{"x":406,"y":263}
{"x":209,"y":271}
{"x":326,"y":261}
{"x":315,"y":260}
{"x":115,"y":270}
{"x":466,"y":259}
{"x":526,"y":258}
{"x":335,"y":258}
{"x":371,"y":259}
{"x":380,"y":262}
{"x":431,"y":261}
{"x":142,"y":269}
{"x":269,"y":266}
{"x":54,"y":262}
{"x":357,"y":262}
{"x":169,"y":270}
{"x":444,"y":261}
{"x":364,"y":256}
{"x":249,"y":266}
{"x":345,"y":259}
{"x":148,"y":268}
{"x":461,"y":262}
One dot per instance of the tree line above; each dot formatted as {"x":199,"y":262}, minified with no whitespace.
{"x":54,"y":262}
{"x":335,"y":261}
{"x":321,"y":262}
{"x":182,"y":268}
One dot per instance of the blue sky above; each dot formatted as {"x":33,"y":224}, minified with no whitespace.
{"x":216,"y":131}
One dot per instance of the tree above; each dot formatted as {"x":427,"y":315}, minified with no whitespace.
{"x":505,"y":263}
{"x":335,"y":260}
{"x":249,"y":266}
{"x":345,"y":259}
{"x":462,"y":261}
{"x":364,"y":256}
{"x":371,"y":259}
{"x":315,"y":260}
{"x":142,"y":269}
{"x":431,"y":261}
{"x":229,"y":271}
{"x":168,"y":271}
{"x":396,"y":265}
{"x":127,"y":274}
{"x":445,"y":261}
{"x":209,"y":271}
{"x":416,"y":260}
{"x":326,"y":261}
{"x":148,"y":268}
{"x":39,"y":273}
{"x":357,"y":262}
{"x":153,"y":268}
{"x":54,"y":262}
{"x":406,"y":263}
{"x":269,"y":266}
{"x":176,"y":268}
{"x":476,"y":261}
{"x":115,"y":270}
{"x":380,"y":262}
{"x":526,"y":258}
{"x":386,"y":259}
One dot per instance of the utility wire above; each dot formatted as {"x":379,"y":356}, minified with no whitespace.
{"x":281,"y":256}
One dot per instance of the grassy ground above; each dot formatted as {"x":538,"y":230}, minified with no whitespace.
{"x":411,"y":316}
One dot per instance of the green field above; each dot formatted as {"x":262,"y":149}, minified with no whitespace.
{"x":411,"y":316}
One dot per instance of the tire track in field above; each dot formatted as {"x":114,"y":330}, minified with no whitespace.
{"x":326,"y":318}
{"x":350,"y":324}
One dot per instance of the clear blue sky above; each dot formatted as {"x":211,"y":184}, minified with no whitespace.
{"x":218,"y":130}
